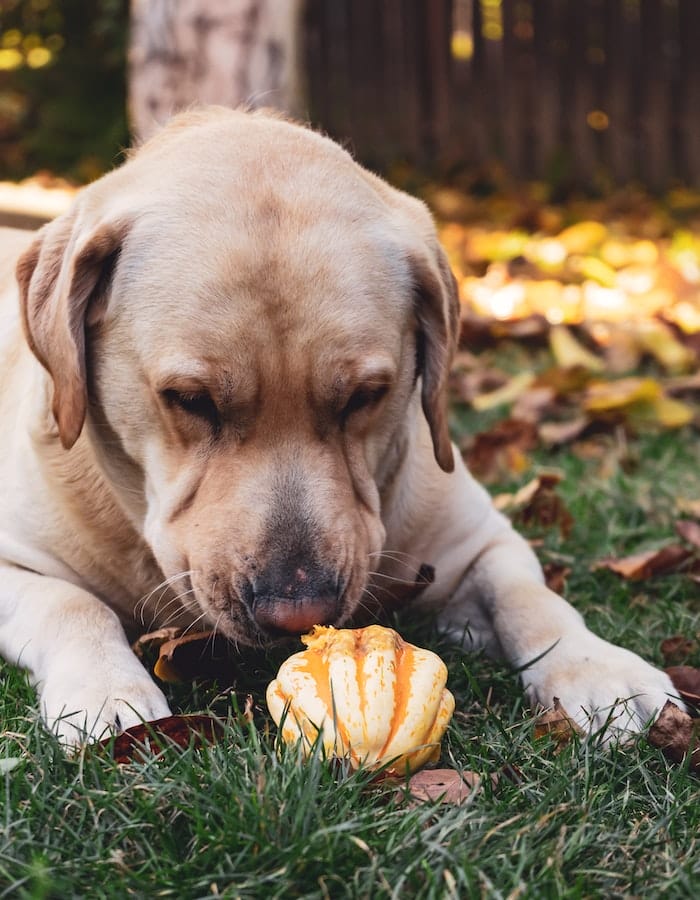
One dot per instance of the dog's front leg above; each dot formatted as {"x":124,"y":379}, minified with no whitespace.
{"x":88,"y":679}
{"x":539,"y":633}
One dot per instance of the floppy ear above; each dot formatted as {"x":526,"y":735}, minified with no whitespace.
{"x":437,"y":312}
{"x":58,"y":277}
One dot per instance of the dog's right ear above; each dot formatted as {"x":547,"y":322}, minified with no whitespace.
{"x":58,"y":277}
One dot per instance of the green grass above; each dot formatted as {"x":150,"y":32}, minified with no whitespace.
{"x":239,"y":820}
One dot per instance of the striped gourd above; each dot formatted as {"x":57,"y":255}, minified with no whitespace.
{"x":377,"y":699}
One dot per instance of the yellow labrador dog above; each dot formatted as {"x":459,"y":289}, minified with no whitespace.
{"x":223,"y":405}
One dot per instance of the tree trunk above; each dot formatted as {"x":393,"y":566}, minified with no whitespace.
{"x":230,"y":52}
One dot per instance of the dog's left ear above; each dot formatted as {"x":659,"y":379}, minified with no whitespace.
{"x":437,"y":311}
{"x":59,"y":278}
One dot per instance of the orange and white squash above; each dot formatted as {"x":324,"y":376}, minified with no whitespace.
{"x":375,"y":698}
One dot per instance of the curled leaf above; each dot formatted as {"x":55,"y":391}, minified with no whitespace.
{"x":502,"y":449}
{"x":555,"y":575}
{"x":556,"y":724}
{"x":201,"y":654}
{"x":689,"y":531}
{"x":538,"y":504}
{"x":686,"y":680}
{"x":445,"y":785}
{"x":677,"y":649}
{"x":151,"y":738}
{"x":677,"y":735}
{"x":568,"y":352}
{"x":644,"y":565}
{"x":509,"y":392}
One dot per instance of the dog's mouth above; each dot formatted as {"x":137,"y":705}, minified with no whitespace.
{"x":267,"y":611}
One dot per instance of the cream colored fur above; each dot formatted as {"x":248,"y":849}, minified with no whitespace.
{"x":246,"y":262}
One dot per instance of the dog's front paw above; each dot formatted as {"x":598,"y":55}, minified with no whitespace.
{"x":600,"y":685}
{"x":80,"y":705}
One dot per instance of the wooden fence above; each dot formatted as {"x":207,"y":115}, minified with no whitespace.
{"x":558,"y":89}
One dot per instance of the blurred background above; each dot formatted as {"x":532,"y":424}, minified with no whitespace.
{"x":585,"y":93}
{"x":557,"y":142}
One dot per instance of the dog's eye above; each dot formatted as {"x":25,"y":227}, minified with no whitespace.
{"x":197,"y":404}
{"x":364,"y":398}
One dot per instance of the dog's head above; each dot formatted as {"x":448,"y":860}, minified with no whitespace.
{"x":243,"y":317}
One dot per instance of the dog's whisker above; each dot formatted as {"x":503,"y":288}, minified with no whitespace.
{"x":398,"y":557}
{"x":184,"y":602}
{"x":140,"y":608}
{"x":193,"y":623}
{"x":408,"y":581}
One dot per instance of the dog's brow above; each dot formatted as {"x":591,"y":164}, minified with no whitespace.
{"x":173,"y":371}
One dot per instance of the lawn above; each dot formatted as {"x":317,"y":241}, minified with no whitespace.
{"x":238,"y":819}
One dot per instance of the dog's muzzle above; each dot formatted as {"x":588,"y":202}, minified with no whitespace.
{"x":293,"y":601}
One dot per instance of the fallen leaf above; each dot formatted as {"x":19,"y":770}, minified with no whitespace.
{"x":533,"y":403}
{"x":677,"y":649}
{"x":555,"y":575}
{"x":444,"y":785}
{"x":556,"y":724}
{"x":604,"y":396}
{"x":644,"y":565}
{"x":568,"y":352}
{"x":527,"y":492}
{"x":154,"y":639}
{"x":688,"y":507}
{"x":151,"y":738}
{"x":466,"y":386}
{"x":689,"y":531}
{"x":501,"y":451}
{"x":583,"y":237}
{"x":201,"y":654}
{"x":554,"y":434}
{"x":676,"y":735}
{"x":509,"y":392}
{"x":658,"y":339}
{"x":686,"y":680}
{"x":537,"y":504}
{"x":664,"y":411}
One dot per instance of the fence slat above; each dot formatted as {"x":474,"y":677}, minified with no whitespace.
{"x":601,"y":87}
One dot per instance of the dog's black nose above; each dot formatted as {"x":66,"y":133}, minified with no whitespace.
{"x":294,"y":601}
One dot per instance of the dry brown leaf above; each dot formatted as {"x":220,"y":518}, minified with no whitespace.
{"x":686,"y":680}
{"x":555,"y":575}
{"x":677,"y":649}
{"x":555,"y":433}
{"x":537,"y":504}
{"x":534,"y":403}
{"x":676,"y":735}
{"x":150,"y":738}
{"x":466,"y":386}
{"x":202,"y":654}
{"x":644,"y":565}
{"x":445,"y":785}
{"x":153,"y":640}
{"x":501,"y":451}
{"x":688,"y":507}
{"x":556,"y":724}
{"x":689,"y":531}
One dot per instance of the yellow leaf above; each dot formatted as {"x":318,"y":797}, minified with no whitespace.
{"x":510,"y":391}
{"x":568,"y":352}
{"x":611,"y":395}
{"x":583,"y":237}
{"x":658,"y":339}
{"x":664,"y":411}
{"x":496,"y":246}
{"x":598,"y":271}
